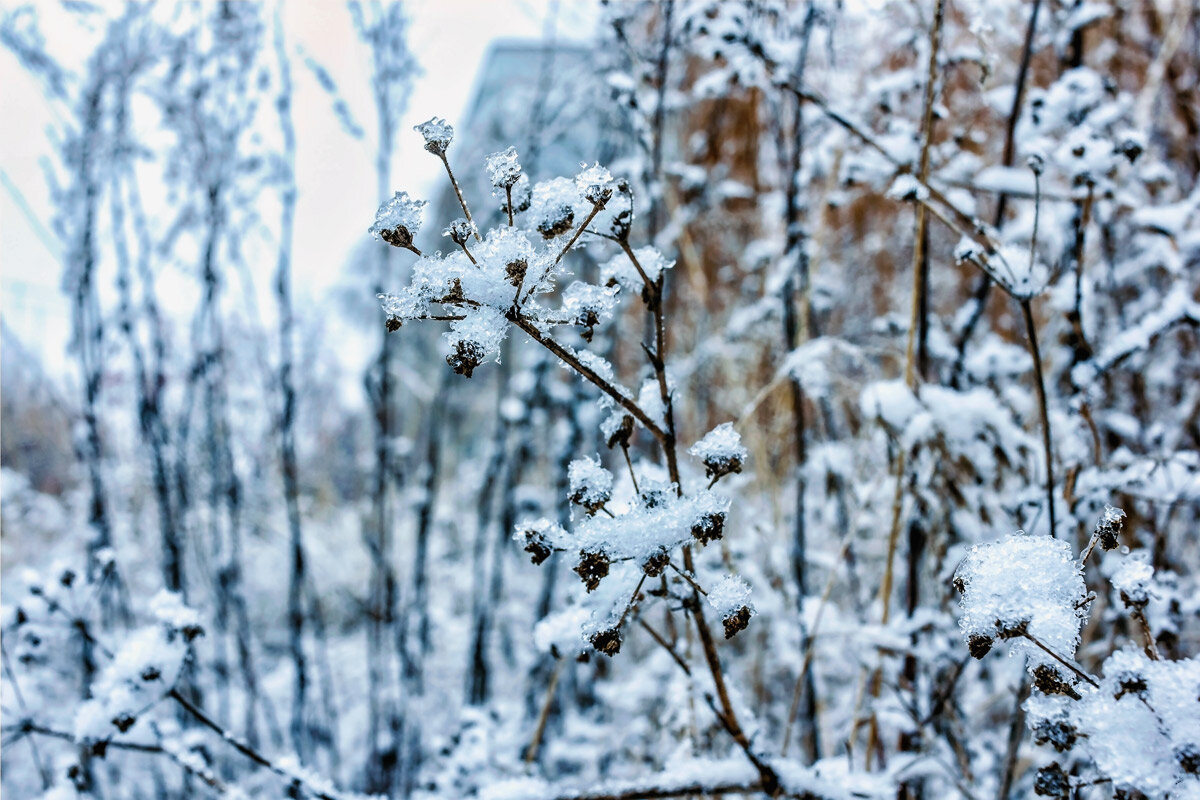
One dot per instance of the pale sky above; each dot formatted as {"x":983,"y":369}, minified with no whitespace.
{"x":334,"y":172}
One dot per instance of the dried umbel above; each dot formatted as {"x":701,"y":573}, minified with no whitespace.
{"x":1058,"y":734}
{"x":1052,"y":781}
{"x":514,"y":271}
{"x":536,"y":545}
{"x":656,"y":563}
{"x":592,"y":568}
{"x":979,"y":645}
{"x":607,"y":641}
{"x":1050,"y":681}
{"x":736,"y":622}
{"x":466,"y":357}
{"x":708,"y":527}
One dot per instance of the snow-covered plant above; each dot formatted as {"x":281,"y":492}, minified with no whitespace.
{"x":1138,"y":726}
{"x":508,"y":278}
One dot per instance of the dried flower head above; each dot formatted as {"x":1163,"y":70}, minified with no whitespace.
{"x":437,"y":134}
{"x":709,"y":527}
{"x":1050,"y":681}
{"x":1057,"y":733}
{"x":514,"y":271}
{"x":1052,"y":781}
{"x":466,"y":357}
{"x":656,"y":563}
{"x":503,"y":169}
{"x":619,"y":431}
{"x":460,"y":231}
{"x":979,"y":645}
{"x":398,"y":220}
{"x":721,"y":451}
{"x":592,"y":568}
{"x":735,"y":622}
{"x":1108,"y":529}
{"x":607,"y":641}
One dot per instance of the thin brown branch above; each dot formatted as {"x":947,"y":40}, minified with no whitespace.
{"x":458,"y":193}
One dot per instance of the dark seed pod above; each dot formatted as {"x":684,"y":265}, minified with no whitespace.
{"x":1130,"y":683}
{"x":514,"y":271}
{"x":399,"y":236}
{"x":1188,"y":757}
{"x":607,"y":641}
{"x":67,"y":578}
{"x":710,"y":526}
{"x":716,"y":467}
{"x":621,"y":435}
{"x":1012,"y":629}
{"x":191,"y":632}
{"x":979,"y":645}
{"x":151,"y":674}
{"x":535,"y":545}
{"x":1108,"y":529}
{"x":1052,"y":781}
{"x":737,"y":621}
{"x":466,"y":357}
{"x":455,"y":295}
{"x":124,"y":722}
{"x":1050,"y":681}
{"x":1058,"y":734}
{"x":656,"y":563}
{"x":592,"y":567}
{"x":392,"y":324}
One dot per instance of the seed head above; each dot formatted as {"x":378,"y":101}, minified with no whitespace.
{"x":592,"y":568}
{"x":607,"y":641}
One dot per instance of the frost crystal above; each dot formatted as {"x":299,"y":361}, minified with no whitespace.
{"x":398,"y":220}
{"x":721,"y":451}
{"x":1022,"y":583}
{"x":590,"y":483}
{"x":437,"y":133}
{"x":503,"y":169}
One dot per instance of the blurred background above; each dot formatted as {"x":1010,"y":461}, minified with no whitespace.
{"x":199,"y":393}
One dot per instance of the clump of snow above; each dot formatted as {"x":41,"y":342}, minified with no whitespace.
{"x":907,"y":187}
{"x":729,"y":595}
{"x":590,"y":483}
{"x":503,"y":169}
{"x":721,"y":451}
{"x":398,"y":220}
{"x":621,"y":270}
{"x":1022,"y":583}
{"x":437,"y":134}
{"x":1133,"y":579}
